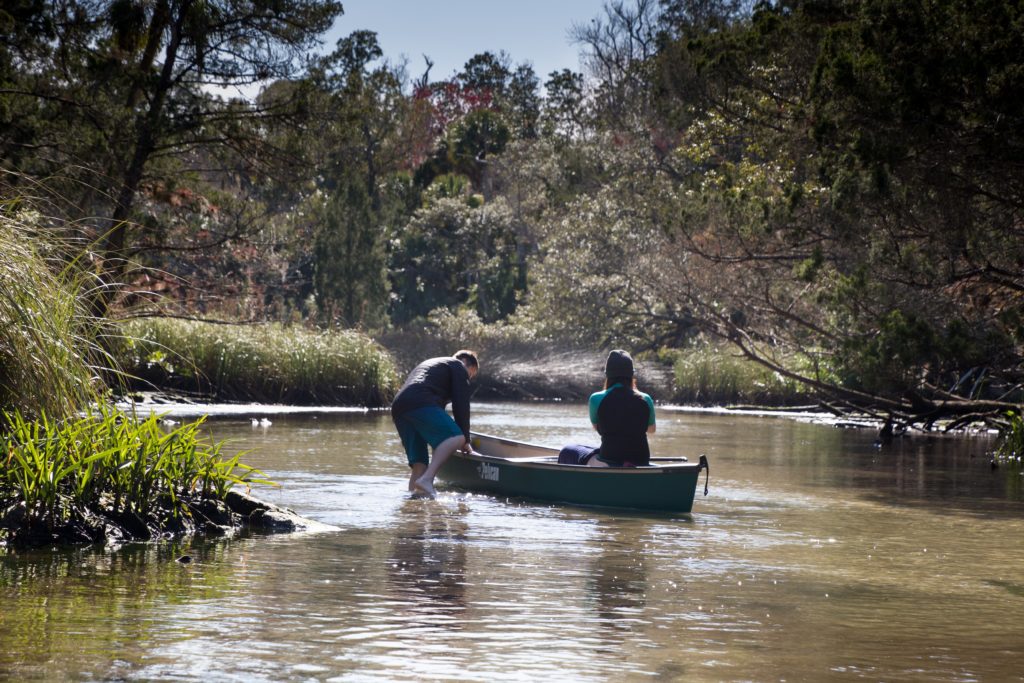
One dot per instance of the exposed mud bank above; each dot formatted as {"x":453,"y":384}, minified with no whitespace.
{"x":105,"y":525}
{"x":562,"y":377}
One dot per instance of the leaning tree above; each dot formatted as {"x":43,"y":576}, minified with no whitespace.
{"x":850,"y":173}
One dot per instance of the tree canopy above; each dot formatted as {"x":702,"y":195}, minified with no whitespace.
{"x":832,"y":187}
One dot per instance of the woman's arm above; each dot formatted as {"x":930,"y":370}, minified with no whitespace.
{"x":651,"y":425}
{"x":592,"y":405}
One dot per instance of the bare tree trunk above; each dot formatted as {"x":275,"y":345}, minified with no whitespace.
{"x":113,"y":249}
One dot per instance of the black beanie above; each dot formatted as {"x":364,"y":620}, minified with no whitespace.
{"x":619,"y":364}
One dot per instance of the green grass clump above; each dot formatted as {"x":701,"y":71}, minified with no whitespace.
{"x":48,"y":349}
{"x":110,"y":463}
{"x":1011,"y":438}
{"x":710,"y":375}
{"x":267,"y":363}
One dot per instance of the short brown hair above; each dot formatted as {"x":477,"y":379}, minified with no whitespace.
{"x":468,"y":358}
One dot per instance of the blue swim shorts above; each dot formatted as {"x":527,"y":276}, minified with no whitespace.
{"x":419,"y":427}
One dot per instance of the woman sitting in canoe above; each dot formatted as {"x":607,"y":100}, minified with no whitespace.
{"x":622,"y":415}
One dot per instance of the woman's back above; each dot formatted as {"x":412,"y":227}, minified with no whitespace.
{"x":623,"y":416}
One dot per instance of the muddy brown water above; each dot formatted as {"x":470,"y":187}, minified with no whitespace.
{"x":815,"y":557}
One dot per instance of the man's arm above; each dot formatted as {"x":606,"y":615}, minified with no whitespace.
{"x":460,"y":397}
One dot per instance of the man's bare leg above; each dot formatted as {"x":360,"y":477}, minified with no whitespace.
{"x":425,"y":482}
{"x":416,"y":471}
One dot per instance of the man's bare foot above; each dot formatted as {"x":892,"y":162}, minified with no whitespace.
{"x":426,"y":487}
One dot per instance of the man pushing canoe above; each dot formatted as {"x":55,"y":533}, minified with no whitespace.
{"x":420,"y":418}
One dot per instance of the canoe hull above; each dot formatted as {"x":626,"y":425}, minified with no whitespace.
{"x":512,"y":468}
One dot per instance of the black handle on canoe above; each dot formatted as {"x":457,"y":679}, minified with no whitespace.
{"x":707,"y":471}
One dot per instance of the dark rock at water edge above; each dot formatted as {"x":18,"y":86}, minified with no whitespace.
{"x":204,"y":516}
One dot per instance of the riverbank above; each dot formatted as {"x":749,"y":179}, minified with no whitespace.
{"x":516,"y":365}
{"x":111,"y":476}
{"x":270,"y":362}
{"x":558,"y":376}
{"x":295,"y":365}
{"x":192,"y":515}
{"x":562,"y":376}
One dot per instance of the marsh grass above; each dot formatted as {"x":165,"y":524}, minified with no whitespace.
{"x":59,"y":462}
{"x":268,"y":363}
{"x":112,"y":462}
{"x":1011,"y":439}
{"x":50,"y":357}
{"x":710,"y":375}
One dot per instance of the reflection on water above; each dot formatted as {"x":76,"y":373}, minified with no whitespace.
{"x":427,"y":562}
{"x":817,"y":556}
{"x":618,"y":580}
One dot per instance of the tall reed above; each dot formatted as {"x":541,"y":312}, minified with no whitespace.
{"x":56,"y":462}
{"x":49,"y":353}
{"x":1011,"y":438}
{"x":711,"y":375}
{"x":269,"y":362}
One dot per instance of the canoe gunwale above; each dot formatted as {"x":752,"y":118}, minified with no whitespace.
{"x":544,"y":462}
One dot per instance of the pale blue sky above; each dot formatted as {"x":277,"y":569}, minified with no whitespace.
{"x":452,"y":31}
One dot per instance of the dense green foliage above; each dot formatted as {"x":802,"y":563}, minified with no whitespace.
{"x":846,"y":173}
{"x":269,"y":363}
{"x":117,"y":93}
{"x":112,"y":462}
{"x":834,"y":188}
{"x":65,"y":476}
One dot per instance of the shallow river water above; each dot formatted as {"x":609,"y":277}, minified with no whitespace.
{"x":816,"y":557}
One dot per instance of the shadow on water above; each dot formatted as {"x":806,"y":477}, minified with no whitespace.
{"x":1015,"y":589}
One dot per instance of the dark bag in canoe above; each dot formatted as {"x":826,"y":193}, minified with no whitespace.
{"x":576,"y":454}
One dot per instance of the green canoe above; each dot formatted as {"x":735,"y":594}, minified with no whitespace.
{"x":514,"y":468}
